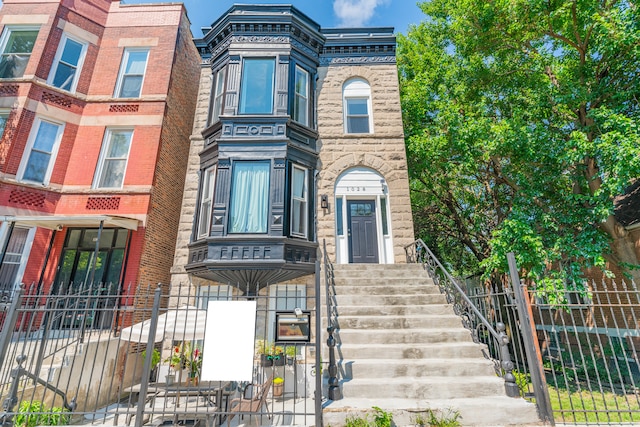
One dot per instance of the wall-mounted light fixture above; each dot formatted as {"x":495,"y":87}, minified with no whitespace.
{"x":324,"y":201}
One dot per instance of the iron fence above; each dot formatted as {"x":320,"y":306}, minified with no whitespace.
{"x":79,"y":358}
{"x":574,"y":353}
{"x":588,"y":348}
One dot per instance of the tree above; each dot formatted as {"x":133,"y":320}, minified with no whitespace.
{"x":522,"y":126}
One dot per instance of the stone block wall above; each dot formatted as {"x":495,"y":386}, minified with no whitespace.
{"x":383,"y":150}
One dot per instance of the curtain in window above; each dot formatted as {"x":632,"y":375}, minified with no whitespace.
{"x":249,"y":197}
{"x":16,"y":53}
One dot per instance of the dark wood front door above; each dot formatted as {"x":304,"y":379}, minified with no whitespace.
{"x":363,"y":236}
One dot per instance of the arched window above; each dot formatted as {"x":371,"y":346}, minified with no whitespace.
{"x":356,"y":95}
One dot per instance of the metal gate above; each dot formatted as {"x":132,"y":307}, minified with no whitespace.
{"x":60,"y":365}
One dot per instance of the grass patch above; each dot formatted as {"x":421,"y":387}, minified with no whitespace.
{"x":592,"y":407}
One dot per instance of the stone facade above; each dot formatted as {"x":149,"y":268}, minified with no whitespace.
{"x":338,"y":56}
{"x":383,"y":151}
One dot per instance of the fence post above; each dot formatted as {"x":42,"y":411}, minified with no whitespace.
{"x":146,"y":367}
{"x":9,"y":324}
{"x":531,"y":346}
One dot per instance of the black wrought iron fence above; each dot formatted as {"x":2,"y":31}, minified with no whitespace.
{"x":588,"y":344}
{"x":168,"y":355}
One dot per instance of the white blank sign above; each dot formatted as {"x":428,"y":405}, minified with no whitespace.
{"x":228,"y":341}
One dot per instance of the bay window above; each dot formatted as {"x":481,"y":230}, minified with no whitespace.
{"x":299,"y":202}
{"x":206,"y":201}
{"x":257,"y":87}
{"x":249,"y":205}
{"x":218,"y":96}
{"x":301,"y":97}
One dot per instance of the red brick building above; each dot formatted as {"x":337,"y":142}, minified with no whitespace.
{"x":97,"y":101}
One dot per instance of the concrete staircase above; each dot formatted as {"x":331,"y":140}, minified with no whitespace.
{"x":403,"y":349}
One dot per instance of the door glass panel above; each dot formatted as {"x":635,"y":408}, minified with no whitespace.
{"x":115,"y":267}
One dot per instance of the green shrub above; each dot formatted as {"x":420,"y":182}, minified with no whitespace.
{"x":355,"y":421}
{"x":31,"y":414}
{"x":382,"y":418}
{"x":436,"y":418}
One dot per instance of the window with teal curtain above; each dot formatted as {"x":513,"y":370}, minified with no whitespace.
{"x":249,"y":207}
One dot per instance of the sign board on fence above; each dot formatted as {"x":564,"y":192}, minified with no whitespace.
{"x":229,"y":340}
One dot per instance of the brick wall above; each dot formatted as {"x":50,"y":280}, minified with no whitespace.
{"x":166,"y":199}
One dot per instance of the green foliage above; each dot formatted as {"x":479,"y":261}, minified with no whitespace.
{"x":31,"y":414}
{"x":437,"y":418}
{"x":522,"y":380}
{"x":355,"y":421}
{"x":521,"y":124}
{"x":382,"y":418}
{"x":155,"y":357}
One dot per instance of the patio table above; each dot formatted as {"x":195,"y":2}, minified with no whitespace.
{"x":212,"y":393}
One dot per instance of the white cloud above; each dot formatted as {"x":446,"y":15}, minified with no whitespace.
{"x":355,"y":13}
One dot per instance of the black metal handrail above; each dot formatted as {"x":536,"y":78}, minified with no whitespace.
{"x":334,"y":392}
{"x":472,"y":318}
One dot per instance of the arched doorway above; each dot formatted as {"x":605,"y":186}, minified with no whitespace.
{"x":363,"y":231}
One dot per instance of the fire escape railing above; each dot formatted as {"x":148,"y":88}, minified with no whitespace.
{"x":472,"y":318}
{"x":334,"y":392}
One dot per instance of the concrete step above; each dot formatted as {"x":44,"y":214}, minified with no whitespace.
{"x":362,"y":271}
{"x":386,"y":289}
{"x":412,"y":336}
{"x":395,"y":310}
{"x":480,"y":411}
{"x":383,"y":300}
{"x":419,"y":368}
{"x":349,"y":352}
{"x":445,"y":387}
{"x":399,"y":322}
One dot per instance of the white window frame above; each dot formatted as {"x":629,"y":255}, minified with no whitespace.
{"x":4,"y":113}
{"x":123,"y":67}
{"x":217,"y":106}
{"x":24,"y":257}
{"x":357,"y":88}
{"x":106,"y":144}
{"x":6,"y":33}
{"x":284,"y":302}
{"x":29,"y":148}
{"x":208,"y":187}
{"x":58,"y":60}
{"x":303,"y":200}
{"x":301,"y":96}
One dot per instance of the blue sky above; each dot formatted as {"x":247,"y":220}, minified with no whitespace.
{"x":328,"y":13}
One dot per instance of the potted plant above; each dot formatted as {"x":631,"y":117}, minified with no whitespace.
{"x":194,"y":365}
{"x":270,"y":354}
{"x":155,"y":361}
{"x":278,"y":386}
{"x":176,"y":363}
{"x":291,"y":352}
